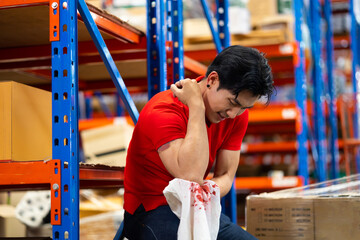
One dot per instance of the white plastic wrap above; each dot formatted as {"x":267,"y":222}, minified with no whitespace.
{"x":33,"y":208}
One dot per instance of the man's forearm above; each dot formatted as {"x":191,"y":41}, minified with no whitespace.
{"x":224,"y":182}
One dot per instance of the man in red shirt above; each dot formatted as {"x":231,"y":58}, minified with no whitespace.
{"x":186,"y":131}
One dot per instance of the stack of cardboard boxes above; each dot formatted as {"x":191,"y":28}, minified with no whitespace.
{"x":265,"y":24}
{"x":25,"y":135}
{"x":325,"y":211}
{"x":25,"y":123}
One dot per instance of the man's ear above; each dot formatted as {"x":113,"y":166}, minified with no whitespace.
{"x":213,"y":77}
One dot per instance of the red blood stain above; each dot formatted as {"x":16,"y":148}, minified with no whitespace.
{"x":206,"y":188}
{"x":199,"y":197}
{"x":202,"y":194}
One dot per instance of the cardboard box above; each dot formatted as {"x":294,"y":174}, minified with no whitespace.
{"x":303,"y":218}
{"x":25,"y":123}
{"x":100,"y":226}
{"x":95,"y":3}
{"x":10,"y":226}
{"x":283,"y":22}
{"x":107,"y":145}
{"x":44,"y":230}
{"x":261,"y":8}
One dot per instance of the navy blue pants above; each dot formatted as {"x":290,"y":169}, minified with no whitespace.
{"x":162,"y":224}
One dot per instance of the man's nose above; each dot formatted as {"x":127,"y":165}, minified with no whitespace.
{"x":232,"y":113}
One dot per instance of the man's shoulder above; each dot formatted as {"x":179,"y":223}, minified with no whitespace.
{"x":163,"y":102}
{"x":164,"y":99}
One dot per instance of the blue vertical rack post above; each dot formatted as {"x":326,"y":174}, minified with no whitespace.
{"x":65,"y":108}
{"x":222,"y":17}
{"x":319,"y":121}
{"x":65,"y":119}
{"x":229,"y":204}
{"x":355,"y":49}
{"x":88,"y":106}
{"x":214,"y":33}
{"x":177,"y":38}
{"x":119,"y":105}
{"x":103,"y":105}
{"x":334,"y":148}
{"x":300,"y":87}
{"x":156,"y":54}
{"x":169,"y":44}
{"x":174,"y":41}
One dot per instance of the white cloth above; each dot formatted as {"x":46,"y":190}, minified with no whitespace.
{"x":197,"y":207}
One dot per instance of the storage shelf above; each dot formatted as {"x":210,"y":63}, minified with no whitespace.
{"x":25,"y":53}
{"x":91,"y":176}
{"x":101,"y":176}
{"x":281,"y":58}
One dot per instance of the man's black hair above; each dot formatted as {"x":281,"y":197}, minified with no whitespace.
{"x":243,"y":68}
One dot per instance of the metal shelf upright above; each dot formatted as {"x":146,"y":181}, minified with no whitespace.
{"x":355,"y":48}
{"x":300,"y":87}
{"x":65,"y":106}
{"x":334,"y":145}
{"x":156,"y":52}
{"x":318,"y":98}
{"x":229,"y":203}
{"x":65,"y":116}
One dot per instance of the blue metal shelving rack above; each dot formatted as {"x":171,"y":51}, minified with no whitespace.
{"x":174,"y":42}
{"x":355,"y":49}
{"x":334,"y":147}
{"x":228,"y":202}
{"x":318,"y":85}
{"x":300,"y":87}
{"x":65,"y":119}
{"x":65,"y":108}
{"x":156,"y":53}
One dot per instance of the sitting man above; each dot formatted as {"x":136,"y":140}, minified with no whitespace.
{"x":183,"y":132}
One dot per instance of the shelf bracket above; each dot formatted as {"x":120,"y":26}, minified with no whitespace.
{"x":54,"y":19}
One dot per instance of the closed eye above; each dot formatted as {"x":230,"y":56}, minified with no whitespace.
{"x":234,"y":104}
{"x":237,"y":104}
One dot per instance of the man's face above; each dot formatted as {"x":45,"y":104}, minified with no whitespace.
{"x":222,"y":104}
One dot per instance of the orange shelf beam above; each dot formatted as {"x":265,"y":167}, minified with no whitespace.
{"x":22,"y":3}
{"x":272,"y":51}
{"x":194,"y":66}
{"x":268,"y":183}
{"x":281,"y":147}
{"x":273,"y":147}
{"x":42,"y":175}
{"x":115,"y":27}
{"x":85,"y":124}
{"x":275,"y":114}
{"x":100,"y":176}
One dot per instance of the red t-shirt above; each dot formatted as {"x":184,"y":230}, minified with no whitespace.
{"x":163,"y":119}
